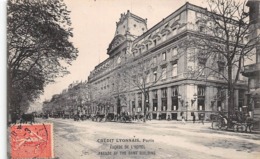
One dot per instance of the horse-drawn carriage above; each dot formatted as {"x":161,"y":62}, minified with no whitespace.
{"x":124,"y":117}
{"x":98,"y":117}
{"x":110,"y":117}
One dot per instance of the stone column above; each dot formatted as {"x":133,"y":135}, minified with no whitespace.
{"x":150,"y":101}
{"x":136,"y":102}
{"x":159,"y":108}
{"x":143,"y":103}
{"x":169,"y":102}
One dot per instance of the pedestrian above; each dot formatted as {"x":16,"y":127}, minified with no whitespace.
{"x":202,"y":118}
{"x":194,"y":118}
{"x":183,"y":120}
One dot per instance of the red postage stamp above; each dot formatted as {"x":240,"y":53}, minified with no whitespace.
{"x":31,"y":141}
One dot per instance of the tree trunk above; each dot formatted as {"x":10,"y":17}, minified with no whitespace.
{"x":230,"y":92}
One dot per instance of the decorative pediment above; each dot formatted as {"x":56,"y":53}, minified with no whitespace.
{"x":165,"y":31}
{"x":118,"y":39}
{"x":175,"y":24}
{"x":148,"y":41}
{"x":158,"y":36}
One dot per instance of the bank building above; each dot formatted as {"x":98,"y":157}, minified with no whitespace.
{"x":172,"y":91}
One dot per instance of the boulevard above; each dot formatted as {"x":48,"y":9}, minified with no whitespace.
{"x":153,"y":139}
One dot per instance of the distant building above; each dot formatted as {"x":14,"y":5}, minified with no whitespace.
{"x":252,"y":70}
{"x":176,"y":94}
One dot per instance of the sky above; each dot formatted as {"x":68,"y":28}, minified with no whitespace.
{"x":94,"y":25}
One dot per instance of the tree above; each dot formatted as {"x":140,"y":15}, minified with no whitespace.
{"x":221,"y":43}
{"x":142,"y":74}
{"x":39,"y":47}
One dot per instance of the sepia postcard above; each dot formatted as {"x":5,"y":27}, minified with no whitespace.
{"x":99,"y":79}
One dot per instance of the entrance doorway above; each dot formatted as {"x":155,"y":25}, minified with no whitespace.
{"x":174,"y":116}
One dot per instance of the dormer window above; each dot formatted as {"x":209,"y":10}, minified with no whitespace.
{"x":164,"y":56}
{"x":119,"y":60}
{"x":201,"y":29}
{"x":146,"y":46}
{"x":155,"y":42}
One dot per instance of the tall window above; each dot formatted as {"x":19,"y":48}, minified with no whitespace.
{"x":175,"y":102}
{"x":221,"y":71}
{"x":155,"y":75}
{"x":201,"y":98}
{"x":240,"y":98}
{"x":164,"y":72}
{"x":202,"y":68}
{"x":201,"y":90}
{"x":148,"y":78}
{"x":139,"y":102}
{"x":174,"y":70}
{"x":155,"y":99}
{"x":174,"y":51}
{"x":164,"y":99}
{"x":164,"y":56}
{"x":155,"y":42}
{"x":154,"y":60}
{"x":140,"y":50}
{"x":146,"y":46}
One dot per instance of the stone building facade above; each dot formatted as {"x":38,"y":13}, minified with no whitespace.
{"x":177,"y":93}
{"x":252,"y":68}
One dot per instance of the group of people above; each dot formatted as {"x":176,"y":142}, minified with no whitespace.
{"x":201,"y":118}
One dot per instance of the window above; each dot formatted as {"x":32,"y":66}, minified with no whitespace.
{"x":155,"y":96}
{"x":198,"y":15}
{"x":164,"y":99}
{"x":164,"y":92}
{"x":174,"y":31}
{"x":163,"y":73}
{"x":201,"y":90}
{"x":240,"y":99}
{"x":163,"y":37}
{"x":155,"y":103}
{"x":155,"y":42}
{"x":155,"y":75}
{"x":148,"y":78}
{"x":221,"y":71}
{"x":175,"y":91}
{"x":139,"y":101}
{"x":174,"y":51}
{"x":174,"y":70}
{"x":133,"y":105}
{"x":175,"y":102}
{"x":164,"y":56}
{"x":119,"y":60}
{"x":147,"y":47}
{"x":201,"y":28}
{"x":154,"y":60}
{"x":202,"y":69}
{"x":140,"y":50}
